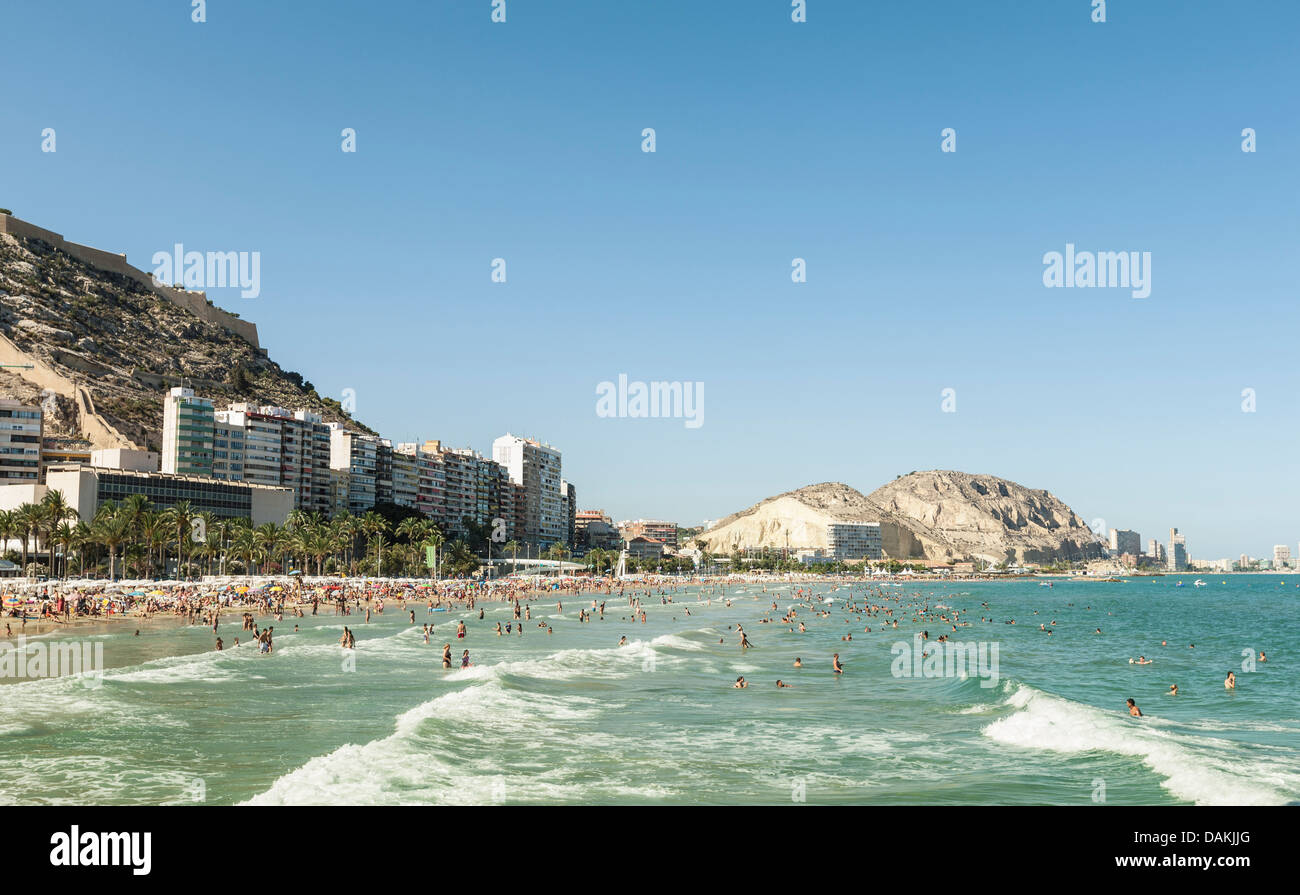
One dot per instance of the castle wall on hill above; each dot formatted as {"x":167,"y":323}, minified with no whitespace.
{"x":194,"y":302}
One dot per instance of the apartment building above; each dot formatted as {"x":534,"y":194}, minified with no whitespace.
{"x":536,"y":468}
{"x":358,"y":454}
{"x":22,"y":432}
{"x":655,"y":529}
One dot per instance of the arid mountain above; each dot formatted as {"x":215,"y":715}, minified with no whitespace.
{"x":938,"y":515}
{"x":98,"y":344}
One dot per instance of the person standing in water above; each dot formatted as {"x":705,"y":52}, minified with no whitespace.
{"x":1230,"y":682}
{"x":1133,"y":708}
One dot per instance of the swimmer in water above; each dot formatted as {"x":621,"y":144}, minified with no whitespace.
{"x":1230,"y":682}
{"x":622,"y":641}
{"x":1133,"y":709}
{"x":1173,"y":689}
{"x":782,"y":685}
{"x":740,"y":683}
{"x":835,"y":664}
{"x":798,"y":663}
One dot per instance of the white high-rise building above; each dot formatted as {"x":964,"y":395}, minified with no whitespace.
{"x":536,"y":468}
{"x":854,"y":540}
{"x":1281,"y":556}
{"x":357,"y":455}
{"x":187,"y":433}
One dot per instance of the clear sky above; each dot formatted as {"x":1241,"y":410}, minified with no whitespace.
{"x":774,"y":140}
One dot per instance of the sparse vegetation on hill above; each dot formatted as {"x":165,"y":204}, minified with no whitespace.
{"x":127,"y":346}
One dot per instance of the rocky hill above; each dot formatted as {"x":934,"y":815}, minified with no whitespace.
{"x":937,"y":515}
{"x":99,"y":347}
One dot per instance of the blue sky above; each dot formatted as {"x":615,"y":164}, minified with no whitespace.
{"x":775,"y":140}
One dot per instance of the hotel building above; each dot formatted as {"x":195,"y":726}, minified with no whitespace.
{"x":854,"y":540}
{"x":187,"y":434}
{"x":86,"y":487}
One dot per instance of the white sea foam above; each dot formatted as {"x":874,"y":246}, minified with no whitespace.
{"x":432,"y":757}
{"x":1197,"y":769}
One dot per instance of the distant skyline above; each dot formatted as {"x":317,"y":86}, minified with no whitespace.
{"x":775,"y":141}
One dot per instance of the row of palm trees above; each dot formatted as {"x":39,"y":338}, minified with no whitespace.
{"x":202,"y":542}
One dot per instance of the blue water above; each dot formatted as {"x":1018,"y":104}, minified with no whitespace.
{"x":574,"y":718}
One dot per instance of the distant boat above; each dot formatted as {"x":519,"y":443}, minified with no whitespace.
{"x":1200,"y":583}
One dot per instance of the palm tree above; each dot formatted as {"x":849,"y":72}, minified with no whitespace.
{"x":65,"y":536}
{"x":267,"y":538}
{"x":512,"y":547}
{"x":461,"y":559}
{"x":136,"y":506}
{"x":111,"y":528}
{"x":346,"y":527}
{"x":318,"y":543}
{"x":244,"y":546}
{"x":55,"y":511}
{"x":178,"y":518}
{"x":223,"y":526}
{"x":374,"y":525}
{"x":82,"y":538}
{"x":8,"y":527}
{"x":156,"y":536}
{"x":27,"y":519}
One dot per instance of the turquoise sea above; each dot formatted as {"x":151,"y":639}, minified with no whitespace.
{"x":574,"y":718}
